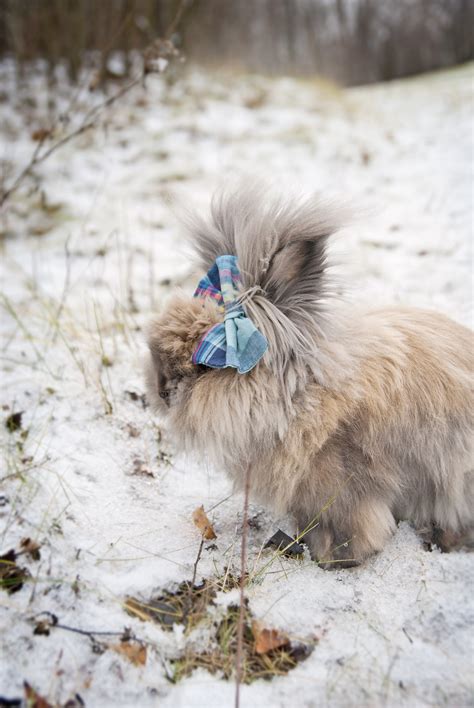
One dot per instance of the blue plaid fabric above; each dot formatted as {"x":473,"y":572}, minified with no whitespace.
{"x":235,"y":342}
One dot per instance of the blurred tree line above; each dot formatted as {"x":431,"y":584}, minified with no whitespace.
{"x":350,"y":41}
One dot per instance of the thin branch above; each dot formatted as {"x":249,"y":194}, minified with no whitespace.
{"x":196,"y":563}
{"x":91,"y":633}
{"x":243,"y":563}
{"x":219,"y":503}
{"x":24,"y":173}
{"x":189,"y":596}
{"x":89,"y":120}
{"x":54,"y":624}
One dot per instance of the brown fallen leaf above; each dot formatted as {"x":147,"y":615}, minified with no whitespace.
{"x":141,"y":468}
{"x":40,"y":134}
{"x":267,"y":640}
{"x":133,"y":651}
{"x":12,"y":576}
{"x":203,"y":524}
{"x":74,"y":702}
{"x":42,"y":628}
{"x":13,"y":422}
{"x":33,"y":699}
{"x":30,"y":547}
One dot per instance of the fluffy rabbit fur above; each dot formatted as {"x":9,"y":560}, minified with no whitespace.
{"x":353,"y":420}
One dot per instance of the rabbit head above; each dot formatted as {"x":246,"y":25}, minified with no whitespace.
{"x":280,"y":245}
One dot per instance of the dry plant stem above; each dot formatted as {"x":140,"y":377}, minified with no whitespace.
{"x":193,"y":581}
{"x":243,"y":563}
{"x":196,"y":563}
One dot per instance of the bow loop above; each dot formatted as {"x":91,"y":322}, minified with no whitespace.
{"x":235,"y":342}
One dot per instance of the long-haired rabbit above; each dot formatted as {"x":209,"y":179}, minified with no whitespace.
{"x":349,"y":419}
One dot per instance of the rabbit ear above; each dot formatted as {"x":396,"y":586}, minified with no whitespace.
{"x":207,"y":239}
{"x":296,"y":280}
{"x":233,"y":228}
{"x":280,"y":243}
{"x":214,"y":236}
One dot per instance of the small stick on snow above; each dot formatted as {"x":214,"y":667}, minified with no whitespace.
{"x":243,"y":562}
{"x":196,"y":563}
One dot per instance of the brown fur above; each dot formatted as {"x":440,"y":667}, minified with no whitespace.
{"x":353,"y":420}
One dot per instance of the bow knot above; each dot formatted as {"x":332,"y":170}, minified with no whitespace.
{"x":235,"y":342}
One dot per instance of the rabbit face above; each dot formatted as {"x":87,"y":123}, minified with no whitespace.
{"x":163,"y":379}
{"x":172,"y":338}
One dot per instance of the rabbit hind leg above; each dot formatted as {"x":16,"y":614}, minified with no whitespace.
{"x":346,"y":537}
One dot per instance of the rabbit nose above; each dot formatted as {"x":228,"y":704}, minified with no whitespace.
{"x":164,"y":394}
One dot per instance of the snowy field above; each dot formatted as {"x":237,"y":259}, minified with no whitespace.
{"x":90,"y":250}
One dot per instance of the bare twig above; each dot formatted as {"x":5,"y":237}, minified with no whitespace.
{"x":243,"y":563}
{"x":53,"y":623}
{"x":91,"y":633}
{"x":196,"y":563}
{"x":24,"y":173}
{"x":125,"y":635}
{"x":219,"y":503}
{"x":188,"y":605}
{"x":90,"y":120}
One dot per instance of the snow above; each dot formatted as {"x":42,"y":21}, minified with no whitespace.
{"x":82,"y":270}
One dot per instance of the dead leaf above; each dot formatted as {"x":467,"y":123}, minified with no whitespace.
{"x":267,"y":640}
{"x":10,"y":702}
{"x":12,"y":576}
{"x":203,"y":524}
{"x":138,"y":397}
{"x":31,"y":548}
{"x":13,"y":422}
{"x":133,"y":651}
{"x":43,"y":626}
{"x":42,"y":629}
{"x":141,"y":468}
{"x":33,"y":699}
{"x":74,"y":702}
{"x":40,"y":134}
{"x":285,"y":544}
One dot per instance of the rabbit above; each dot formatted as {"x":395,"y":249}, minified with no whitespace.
{"x":352,"y":420}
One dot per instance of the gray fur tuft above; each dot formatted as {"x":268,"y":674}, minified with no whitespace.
{"x":280,"y":243}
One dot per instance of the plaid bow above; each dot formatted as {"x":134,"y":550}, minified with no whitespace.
{"x":235,"y":342}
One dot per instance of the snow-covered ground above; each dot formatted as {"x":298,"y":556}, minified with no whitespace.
{"x":87,"y":257}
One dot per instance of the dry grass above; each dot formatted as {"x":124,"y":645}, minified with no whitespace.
{"x":190,"y":605}
{"x":220,"y":658}
{"x":187,"y":605}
